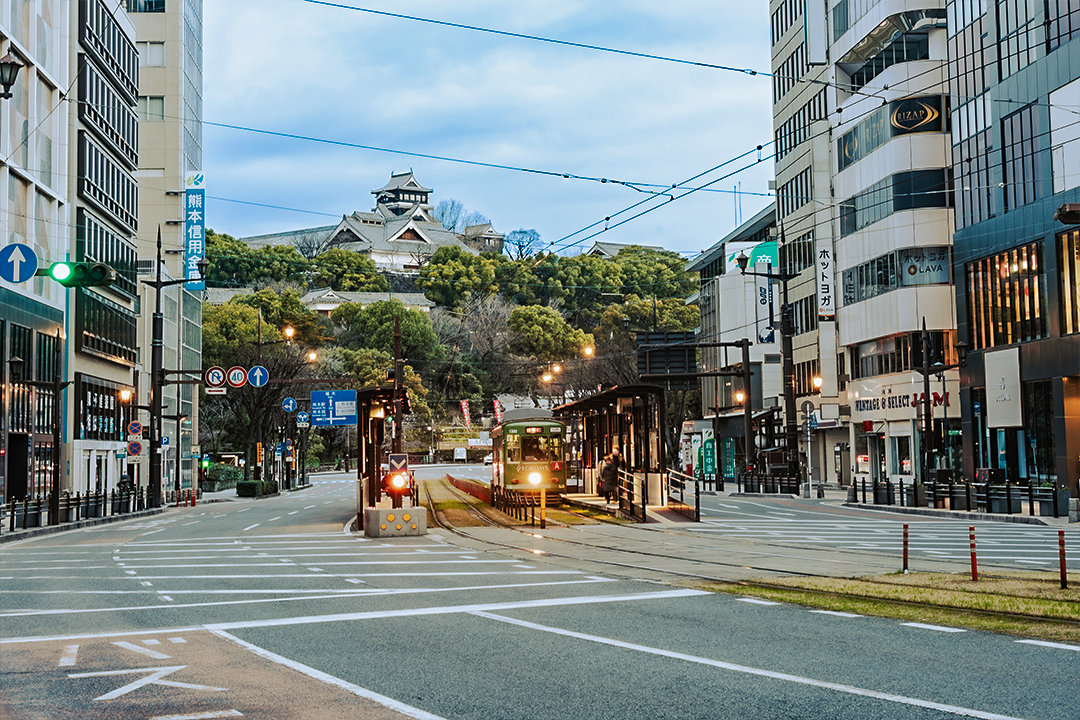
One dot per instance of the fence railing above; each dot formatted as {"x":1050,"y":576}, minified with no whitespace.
{"x":971,"y":497}
{"x":23,"y":514}
{"x":632,"y":495}
{"x":683,"y":494}
{"x":768,"y":484}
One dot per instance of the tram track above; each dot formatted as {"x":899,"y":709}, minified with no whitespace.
{"x":762,"y":586}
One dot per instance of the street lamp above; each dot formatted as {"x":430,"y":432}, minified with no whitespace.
{"x":787,"y":330}
{"x":157,"y":371}
{"x":928,"y":414}
{"x":9,"y":71}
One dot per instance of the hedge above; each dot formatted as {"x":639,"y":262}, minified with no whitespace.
{"x":249,"y":488}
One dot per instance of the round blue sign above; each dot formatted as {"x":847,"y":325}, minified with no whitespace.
{"x":288,"y":404}
{"x":18,"y":262}
{"x":258,"y":376}
{"x":302,"y":417}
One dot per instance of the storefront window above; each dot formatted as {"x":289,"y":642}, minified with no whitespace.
{"x":901,"y":456}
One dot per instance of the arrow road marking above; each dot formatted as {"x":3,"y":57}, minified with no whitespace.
{"x":154,"y":678}
{"x":142,"y":650}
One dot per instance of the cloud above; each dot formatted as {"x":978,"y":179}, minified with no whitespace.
{"x":336,"y":74}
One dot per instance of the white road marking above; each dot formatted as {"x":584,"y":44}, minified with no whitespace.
{"x":142,"y":650}
{"x":68,"y":658}
{"x":953,"y":709}
{"x":177,"y":641}
{"x":308,"y":507}
{"x":836,"y":613}
{"x":294,"y":512}
{"x":453,"y":609}
{"x":201,"y":716}
{"x":151,"y":641}
{"x":251,"y":527}
{"x":755,"y":601}
{"x":1057,"y":646}
{"x":190,"y":523}
{"x":154,"y":678}
{"x":388,"y":702}
{"x":939,"y":628}
{"x":274,"y":518}
{"x":146,"y":584}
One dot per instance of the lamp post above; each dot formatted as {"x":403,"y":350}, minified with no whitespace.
{"x":787,"y":330}
{"x":179,"y":420}
{"x":9,"y":71}
{"x":57,"y":385}
{"x":928,"y":413}
{"x":157,"y":371}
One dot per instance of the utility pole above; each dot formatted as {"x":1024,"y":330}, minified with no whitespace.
{"x":398,"y":412}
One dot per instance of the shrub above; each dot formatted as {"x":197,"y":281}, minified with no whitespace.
{"x":247,"y":488}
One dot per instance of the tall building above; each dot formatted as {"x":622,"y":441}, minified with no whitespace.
{"x":35,"y":212}
{"x":168,"y":36}
{"x":1014,"y":79}
{"x":102,"y":146}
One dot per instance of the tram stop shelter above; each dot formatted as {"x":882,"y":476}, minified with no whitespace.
{"x":630,"y":418}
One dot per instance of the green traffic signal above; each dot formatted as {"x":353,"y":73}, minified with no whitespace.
{"x":80,"y":274}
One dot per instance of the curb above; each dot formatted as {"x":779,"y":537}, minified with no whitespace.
{"x":952,"y":514}
{"x":12,"y":536}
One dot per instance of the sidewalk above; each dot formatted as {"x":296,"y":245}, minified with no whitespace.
{"x":832,"y":496}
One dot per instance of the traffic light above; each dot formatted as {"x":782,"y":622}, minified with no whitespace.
{"x":80,"y":274}
{"x":398,"y":485}
{"x":206,"y":462}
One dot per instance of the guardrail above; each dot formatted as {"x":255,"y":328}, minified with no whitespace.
{"x":1006,"y":499}
{"x":631,"y":493}
{"x":20,"y":515}
{"x":681,"y":490}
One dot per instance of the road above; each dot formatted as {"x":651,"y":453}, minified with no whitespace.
{"x":271,"y":609}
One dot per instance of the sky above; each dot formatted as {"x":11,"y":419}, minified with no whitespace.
{"x":302,"y":85}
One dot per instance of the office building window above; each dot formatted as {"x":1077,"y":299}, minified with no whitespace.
{"x":793,"y":194}
{"x":784,"y":18}
{"x":1019,"y":36}
{"x":1063,"y":17}
{"x":146,"y":6}
{"x":789,"y":72}
{"x":1007,"y":297}
{"x":104,"y":328}
{"x":902,"y":191}
{"x":909,"y":47}
{"x":151,"y":54}
{"x":798,"y":254}
{"x":974,"y":186}
{"x":1021,"y":142}
{"x":1069,"y":262}
{"x":151,"y":108}
{"x":102,"y":37}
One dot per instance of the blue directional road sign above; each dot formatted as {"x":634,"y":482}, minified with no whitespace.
{"x":164,"y":439}
{"x":333,"y":407}
{"x":303,"y":419}
{"x":288,"y":404}
{"x":18,"y":262}
{"x":258,"y":376}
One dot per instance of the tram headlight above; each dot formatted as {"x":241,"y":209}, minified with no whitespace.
{"x":534,"y":478}
{"x":399,"y":482}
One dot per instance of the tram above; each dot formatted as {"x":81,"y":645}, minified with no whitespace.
{"x":529,"y":452}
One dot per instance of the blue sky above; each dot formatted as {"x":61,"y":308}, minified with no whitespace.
{"x":339,"y":75}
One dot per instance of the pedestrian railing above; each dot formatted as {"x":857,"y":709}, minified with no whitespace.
{"x":683,"y":494}
{"x":750,"y":482}
{"x":1008,"y":498}
{"x":631,"y":493}
{"x":35,"y":512}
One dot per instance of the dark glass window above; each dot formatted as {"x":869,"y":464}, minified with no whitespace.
{"x":1069,"y":260}
{"x":1064,"y":22}
{"x":1021,"y":143}
{"x":146,"y":6}
{"x":909,"y":47}
{"x":1007,"y":297}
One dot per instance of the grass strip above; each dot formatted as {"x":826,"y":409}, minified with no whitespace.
{"x":994,"y":604}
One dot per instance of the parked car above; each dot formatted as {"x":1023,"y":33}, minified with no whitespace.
{"x":488,"y":459}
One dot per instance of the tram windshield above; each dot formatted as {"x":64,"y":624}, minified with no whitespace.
{"x":533,"y":448}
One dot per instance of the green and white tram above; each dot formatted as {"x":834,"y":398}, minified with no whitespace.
{"x":529,"y":452}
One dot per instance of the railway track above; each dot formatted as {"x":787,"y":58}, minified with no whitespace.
{"x":711,"y":570}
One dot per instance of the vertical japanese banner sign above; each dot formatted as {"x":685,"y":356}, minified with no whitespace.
{"x":708,"y":446}
{"x":194,"y":229}
{"x":465,"y":414}
{"x":826,"y":288}
{"x":763,"y":300}
{"x":498,"y":412}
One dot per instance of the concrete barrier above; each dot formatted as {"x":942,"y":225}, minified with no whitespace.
{"x":395,"y":522}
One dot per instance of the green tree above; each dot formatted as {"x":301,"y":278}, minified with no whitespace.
{"x":543,"y":334}
{"x":655,"y":273}
{"x":341,"y":269}
{"x":234,"y":264}
{"x":454,"y":276}
{"x":373,"y":327}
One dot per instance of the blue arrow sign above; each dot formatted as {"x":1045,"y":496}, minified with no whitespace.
{"x":288,"y":404}
{"x":303,"y":417}
{"x":333,"y":407}
{"x":258,"y":376}
{"x":18,"y":263}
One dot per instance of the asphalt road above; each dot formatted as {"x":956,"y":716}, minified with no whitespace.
{"x":271,"y":609}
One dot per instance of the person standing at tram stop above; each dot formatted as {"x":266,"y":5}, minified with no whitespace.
{"x":609,"y":476}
